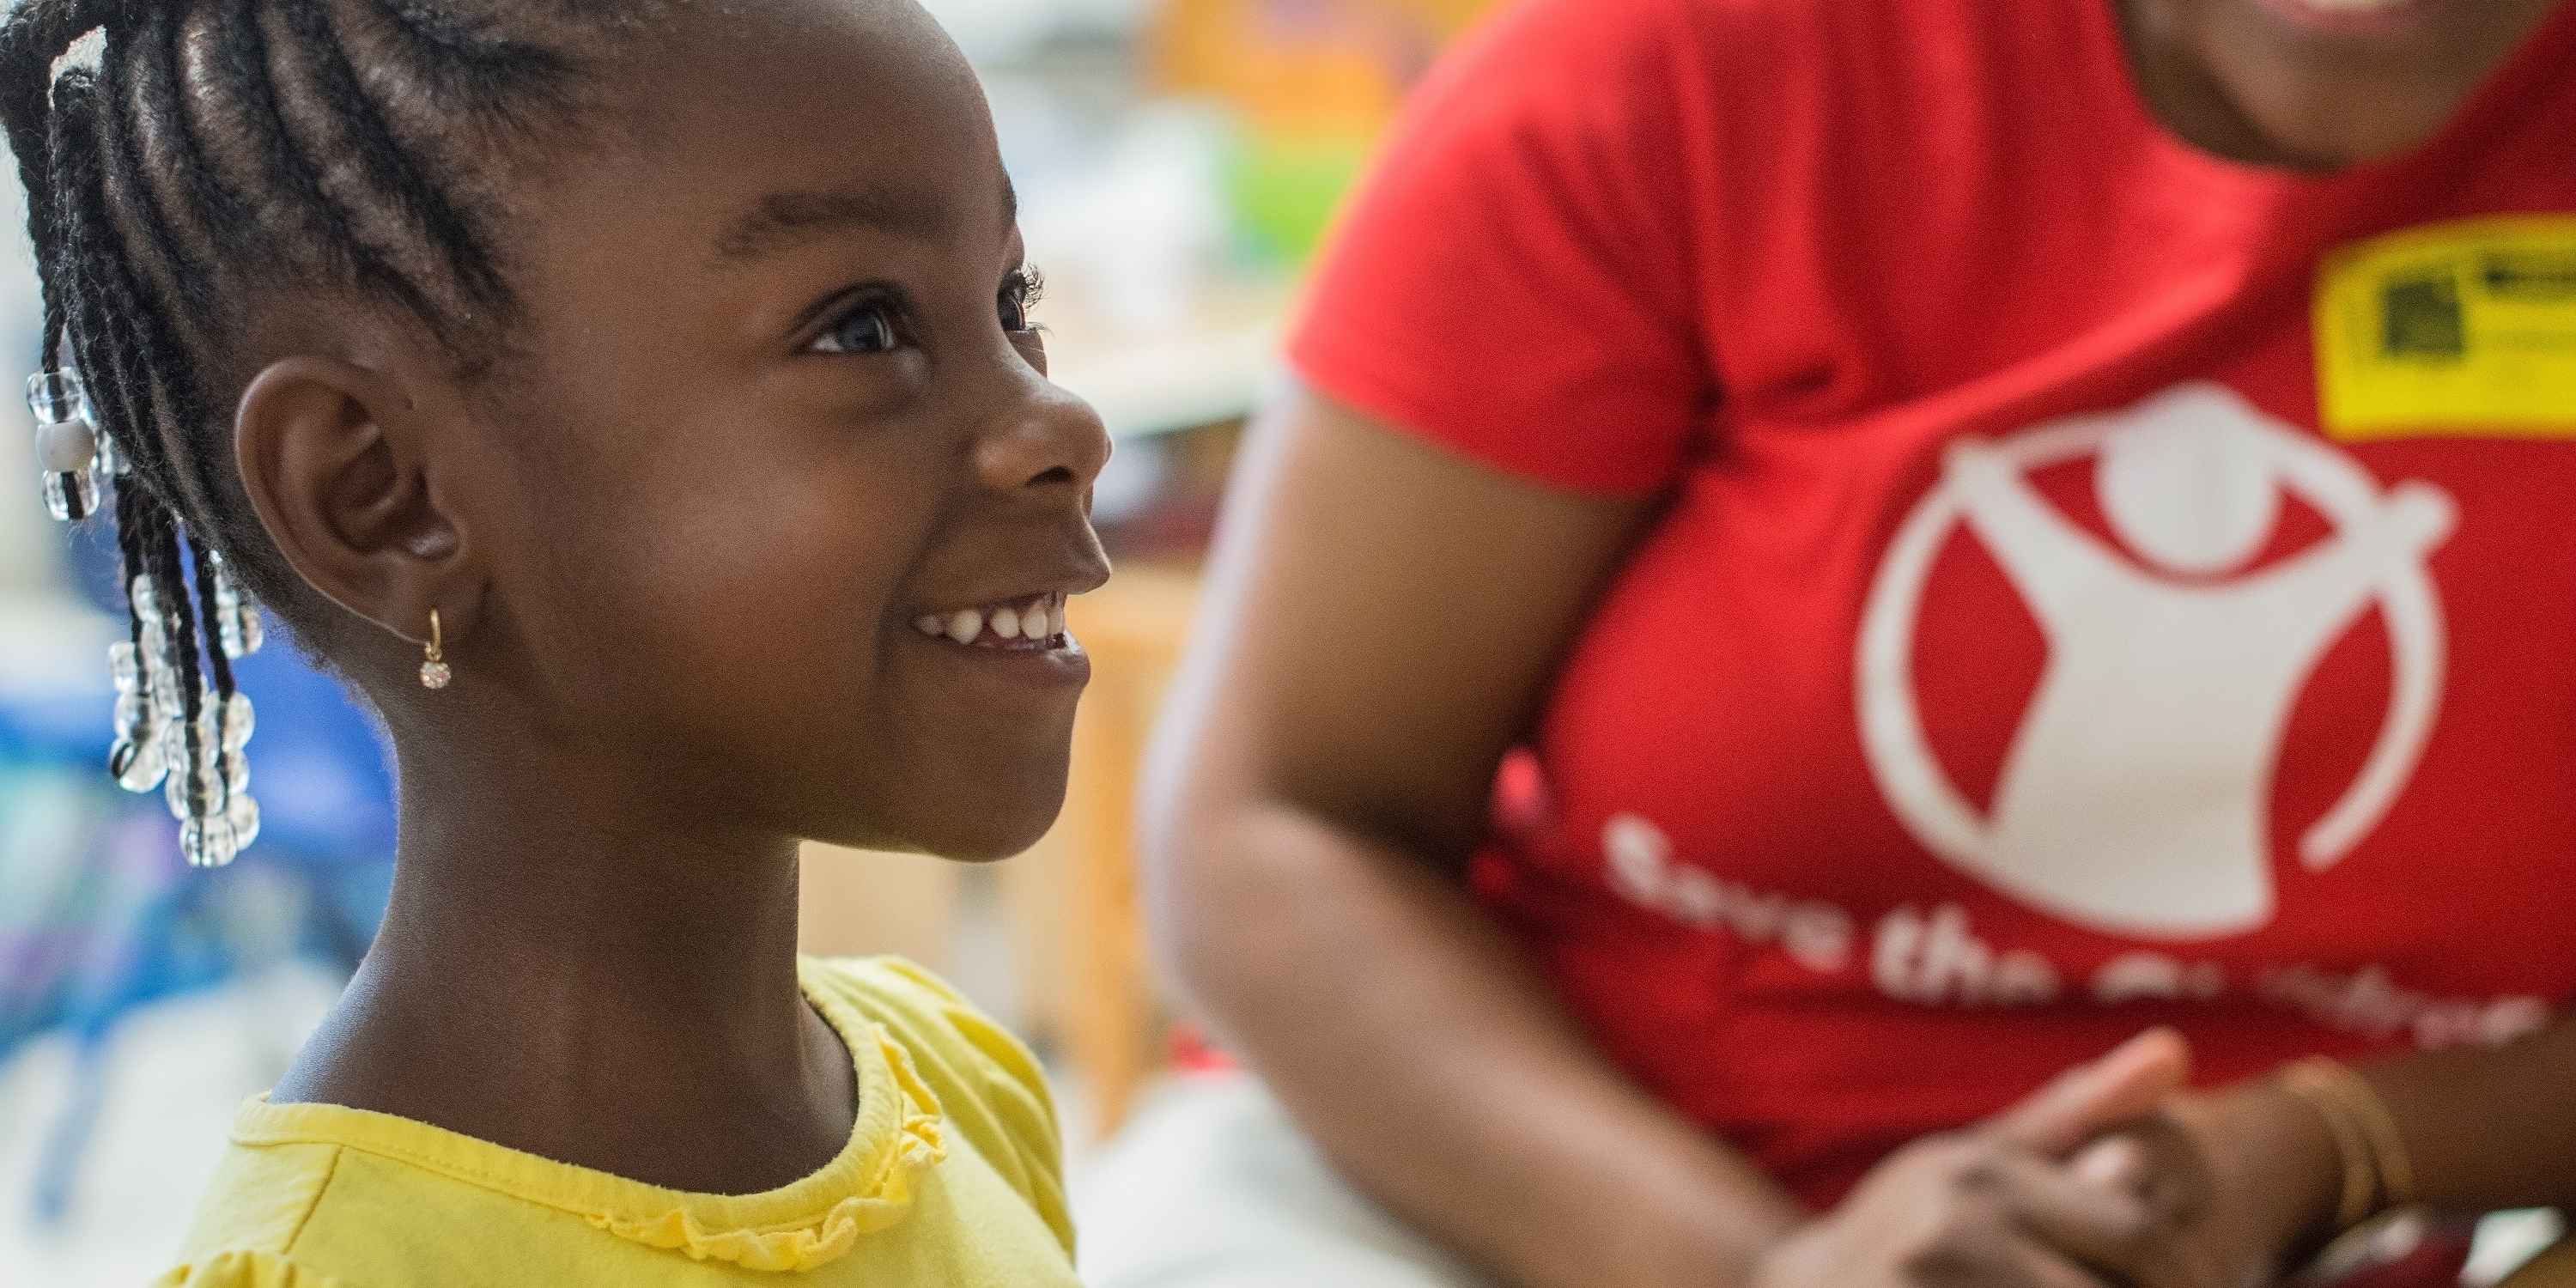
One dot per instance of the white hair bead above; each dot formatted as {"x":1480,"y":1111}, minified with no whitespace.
{"x":67,"y":446}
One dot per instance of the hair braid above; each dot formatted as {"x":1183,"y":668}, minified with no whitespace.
{"x":136,"y":331}
{"x":196,"y":193}
{"x":387,"y":164}
{"x":477,"y":70}
{"x":34,"y":35}
{"x":197,"y":782}
{"x":131,"y":519}
{"x":89,"y":316}
{"x":147,"y":218}
{"x":217,"y":664}
{"x":242,"y":44}
{"x":227,"y":155}
{"x":107,"y":329}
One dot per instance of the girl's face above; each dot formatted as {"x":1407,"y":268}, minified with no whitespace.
{"x":775,"y":409}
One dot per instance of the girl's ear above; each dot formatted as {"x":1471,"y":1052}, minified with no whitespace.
{"x":338,"y":460}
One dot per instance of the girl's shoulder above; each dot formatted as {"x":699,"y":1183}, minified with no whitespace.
{"x":924,"y":1013}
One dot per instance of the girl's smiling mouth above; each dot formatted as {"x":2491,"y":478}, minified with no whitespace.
{"x":1027,"y":624}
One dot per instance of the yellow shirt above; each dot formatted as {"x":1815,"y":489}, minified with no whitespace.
{"x":951,"y":1177}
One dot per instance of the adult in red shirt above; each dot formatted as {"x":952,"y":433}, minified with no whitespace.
{"x":1969,"y":528}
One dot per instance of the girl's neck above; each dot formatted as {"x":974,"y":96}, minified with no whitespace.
{"x":571,"y":974}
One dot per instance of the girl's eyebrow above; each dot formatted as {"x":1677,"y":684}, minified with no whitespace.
{"x":784,"y":220}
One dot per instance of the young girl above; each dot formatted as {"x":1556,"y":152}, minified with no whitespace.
{"x":636,"y":400}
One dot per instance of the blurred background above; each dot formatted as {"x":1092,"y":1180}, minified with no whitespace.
{"x":1178,"y":162}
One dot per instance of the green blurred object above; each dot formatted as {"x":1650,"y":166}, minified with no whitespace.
{"x":1284,"y":192}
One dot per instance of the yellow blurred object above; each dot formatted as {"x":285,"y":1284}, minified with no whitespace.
{"x":2462,"y":329}
{"x":1303,"y":66}
{"x":1312,"y":83}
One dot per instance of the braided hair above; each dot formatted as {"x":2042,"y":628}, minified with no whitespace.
{"x":223,"y":153}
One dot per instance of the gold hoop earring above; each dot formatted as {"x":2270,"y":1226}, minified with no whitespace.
{"x":433,"y":671}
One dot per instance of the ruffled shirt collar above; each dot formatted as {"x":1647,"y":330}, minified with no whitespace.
{"x":866,"y":1188}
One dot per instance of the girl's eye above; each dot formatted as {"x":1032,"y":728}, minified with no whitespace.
{"x":868,"y":328}
{"x":1020,"y":293}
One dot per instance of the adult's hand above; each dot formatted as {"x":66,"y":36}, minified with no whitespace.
{"x":2000,"y":1206}
{"x":2249,"y":1174}
{"x":2253,"y":1177}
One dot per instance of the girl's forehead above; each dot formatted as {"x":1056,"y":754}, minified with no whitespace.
{"x":783,"y":115}
{"x":851,"y":69}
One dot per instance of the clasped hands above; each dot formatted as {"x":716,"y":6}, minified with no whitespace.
{"x":2109,"y":1177}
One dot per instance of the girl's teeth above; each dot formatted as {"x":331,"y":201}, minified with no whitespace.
{"x":1038,"y":619}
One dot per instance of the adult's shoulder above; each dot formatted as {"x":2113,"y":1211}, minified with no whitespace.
{"x":1616,"y":177}
{"x":1687,"y":88}
{"x":1744,"y":56}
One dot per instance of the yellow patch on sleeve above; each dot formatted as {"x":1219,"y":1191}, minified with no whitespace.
{"x":2461,"y":329}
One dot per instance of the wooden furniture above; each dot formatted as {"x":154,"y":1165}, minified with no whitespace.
{"x":860,"y":903}
{"x":1113,"y":1026}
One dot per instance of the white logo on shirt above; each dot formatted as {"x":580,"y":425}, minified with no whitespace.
{"x":1640,"y":868}
{"x":2135,"y":795}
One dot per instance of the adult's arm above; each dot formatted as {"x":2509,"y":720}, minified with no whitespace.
{"x":1383,"y":618}
{"x":2489,"y":1128}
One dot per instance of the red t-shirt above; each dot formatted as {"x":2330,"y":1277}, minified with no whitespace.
{"x":2023,"y":658}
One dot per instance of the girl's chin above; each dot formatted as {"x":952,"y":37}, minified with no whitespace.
{"x":1007,"y":835}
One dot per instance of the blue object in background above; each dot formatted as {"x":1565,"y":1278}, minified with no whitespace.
{"x":98,"y":912}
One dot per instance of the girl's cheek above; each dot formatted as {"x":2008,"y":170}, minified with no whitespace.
{"x":859,"y":394}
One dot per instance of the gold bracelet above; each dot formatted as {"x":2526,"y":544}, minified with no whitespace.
{"x":2359,"y":1185}
{"x":2377,"y":1175}
{"x":2370,"y":1113}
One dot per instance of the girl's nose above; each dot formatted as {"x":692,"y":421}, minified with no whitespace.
{"x":1046,"y":439}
